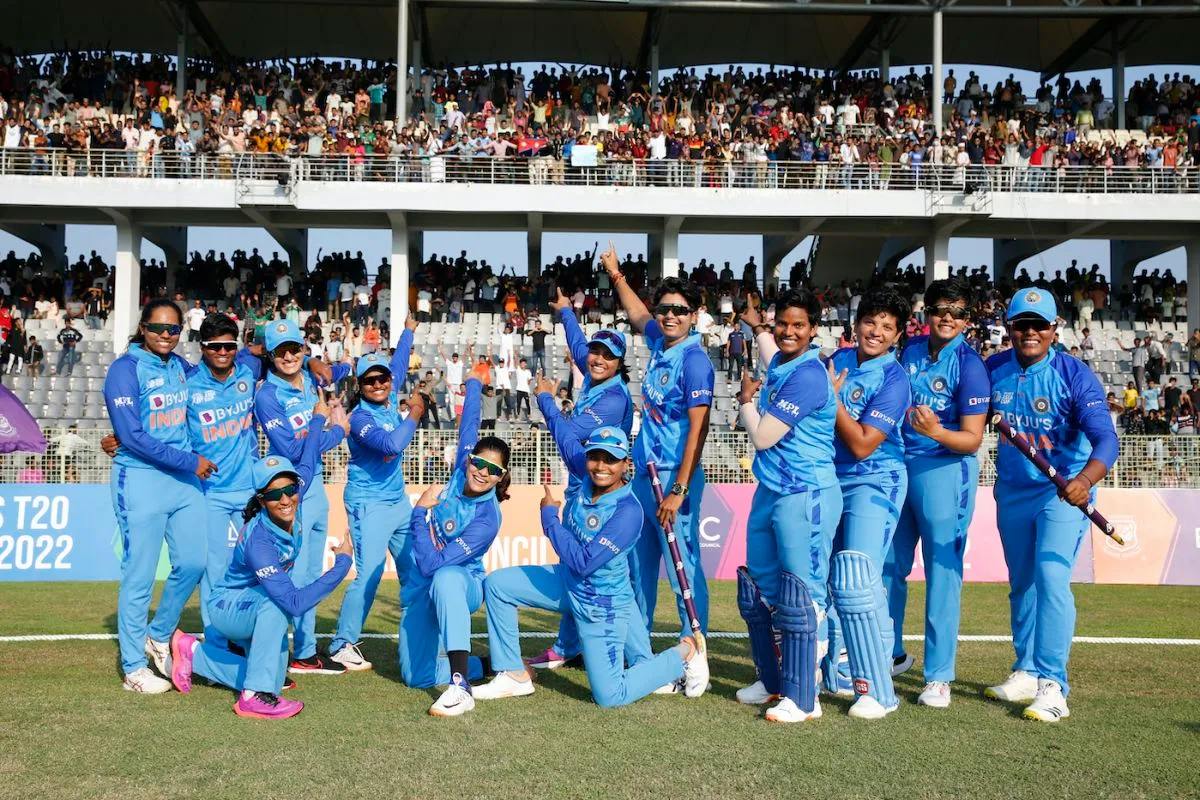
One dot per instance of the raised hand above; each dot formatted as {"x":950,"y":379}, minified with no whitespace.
{"x":838,"y":378}
{"x":752,"y":316}
{"x":545,"y":384}
{"x":560,"y":301}
{"x":410,"y":322}
{"x":548,"y":500}
{"x":608,"y":259}
{"x":429,"y":498}
{"x":749,"y":388}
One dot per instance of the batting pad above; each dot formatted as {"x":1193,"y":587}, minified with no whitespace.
{"x":757,"y":615}
{"x":797,"y":621}
{"x":862,"y":606}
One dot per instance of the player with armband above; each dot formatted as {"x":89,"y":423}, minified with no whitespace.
{"x":599,"y":528}
{"x":252,"y":604}
{"x":942,"y":432}
{"x":1054,"y":402}
{"x":873,"y":397}
{"x":782,"y":590}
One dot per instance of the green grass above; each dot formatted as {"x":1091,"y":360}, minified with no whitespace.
{"x":68,"y":730}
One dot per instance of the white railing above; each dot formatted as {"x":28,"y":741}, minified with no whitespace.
{"x":1145,"y":461}
{"x":547,"y":170}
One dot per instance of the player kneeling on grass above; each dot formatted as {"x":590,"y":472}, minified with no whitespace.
{"x":600,"y":526}
{"x":795,"y":511}
{"x":252,"y":605}
{"x":1055,"y":402}
{"x":450,"y":533}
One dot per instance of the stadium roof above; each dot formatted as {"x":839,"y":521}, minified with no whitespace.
{"x":1045,"y":35}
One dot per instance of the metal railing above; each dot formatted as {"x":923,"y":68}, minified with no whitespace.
{"x":546,"y":170}
{"x":1145,"y":461}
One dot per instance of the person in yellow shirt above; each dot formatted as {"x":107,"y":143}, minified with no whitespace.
{"x":1130,"y":398}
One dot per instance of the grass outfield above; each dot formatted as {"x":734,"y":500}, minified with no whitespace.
{"x":68,"y":730}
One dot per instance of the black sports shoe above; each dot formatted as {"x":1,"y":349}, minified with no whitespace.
{"x":315,"y":665}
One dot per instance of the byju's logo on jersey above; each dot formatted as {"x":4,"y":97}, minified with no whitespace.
{"x":158,"y":401}
{"x":297,"y":420}
{"x":207,"y":417}
{"x":1041,"y":405}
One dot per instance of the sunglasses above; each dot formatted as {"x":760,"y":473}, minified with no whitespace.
{"x":162,"y":328}
{"x":664,"y":309}
{"x":287,"y":349}
{"x":375,"y":380}
{"x":278,"y":494}
{"x":955,"y":312}
{"x":482,"y":464}
{"x":222,"y":347}
{"x":1039,"y":325}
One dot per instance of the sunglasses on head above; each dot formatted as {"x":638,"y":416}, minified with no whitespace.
{"x":663,"y":309}
{"x":955,"y":312}
{"x":377,"y":379}
{"x":163,"y":328}
{"x":1039,"y":325}
{"x":278,"y":494}
{"x":482,"y":464}
{"x":223,"y":347}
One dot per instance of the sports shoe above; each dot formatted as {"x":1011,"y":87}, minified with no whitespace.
{"x":755,"y":695}
{"x":456,"y":700}
{"x":182,"y":647}
{"x":144,"y":681}
{"x":674,"y":687}
{"x":503,"y":685}
{"x":351,"y":658}
{"x":695,"y":674}
{"x":264,"y":705}
{"x":547,"y":659}
{"x":787,"y":711}
{"x":902,"y":664}
{"x":936,"y":694}
{"x":1019,"y":687}
{"x":1049,"y":705}
{"x":156,"y":653}
{"x":867,"y":707}
{"x":288,"y":683}
{"x":315,"y":665}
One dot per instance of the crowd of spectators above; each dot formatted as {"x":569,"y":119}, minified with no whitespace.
{"x":855,"y":129}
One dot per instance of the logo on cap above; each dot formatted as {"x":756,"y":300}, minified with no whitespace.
{"x":605,"y":433}
{"x":281,"y":327}
{"x":1033,"y":297}
{"x":272,"y":462}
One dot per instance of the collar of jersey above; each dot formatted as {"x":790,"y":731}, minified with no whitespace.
{"x":142,"y":354}
{"x":283,"y":384}
{"x":947,"y":348}
{"x":584,"y":497}
{"x":778,"y":365}
{"x":278,"y":533}
{"x":1033,"y":369}
{"x":207,"y":374}
{"x":601,"y":387}
{"x":876,"y":363}
{"x":676,"y":352}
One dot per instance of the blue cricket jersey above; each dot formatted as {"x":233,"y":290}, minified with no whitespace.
{"x":799,"y":394}
{"x":606,"y":403}
{"x":875,"y":393}
{"x":1059,"y":405}
{"x":378,"y":437}
{"x":147,"y":400}
{"x":221,"y":422}
{"x":955,"y":385}
{"x":284,"y":413}
{"x":677,"y":379}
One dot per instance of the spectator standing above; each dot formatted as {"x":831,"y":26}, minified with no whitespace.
{"x":35,"y":357}
{"x":1172,"y":398}
{"x":1086,"y":347}
{"x":1193,"y":396}
{"x":94,"y":308}
{"x":1150,"y":396}
{"x":195,"y":318}
{"x":1193,"y":351}
{"x":1156,"y":357}
{"x":1138,"y":356}
{"x":735,"y":353}
{"x":521,"y":380}
{"x":538,"y":337}
{"x":68,"y":338}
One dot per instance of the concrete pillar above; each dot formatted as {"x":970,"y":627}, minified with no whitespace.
{"x":400,"y":273}
{"x":402,"y":62}
{"x":181,"y":63}
{"x":1193,"y":282}
{"x":653,"y":68}
{"x":172,"y":240}
{"x":936,"y":93}
{"x":894,"y":250}
{"x":885,"y":64}
{"x":775,"y":250}
{"x":50,"y":241}
{"x":127,"y":284}
{"x":937,"y":254}
{"x":533,"y":245}
{"x":670,"y":247}
{"x":416,"y":75}
{"x":416,"y":249}
{"x":1125,"y":254}
{"x":1118,"y":80}
{"x":1008,"y":253}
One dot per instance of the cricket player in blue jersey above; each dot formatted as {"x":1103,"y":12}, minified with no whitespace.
{"x":252,"y":604}
{"x":603,"y":401}
{"x":872,"y":396}
{"x":599,"y":528}
{"x":942,"y":431}
{"x":377,"y":503}
{"x":1055,"y":402}
{"x":795,"y":510}
{"x":677,"y":395}
{"x":450,"y":533}
{"x":283,"y":407}
{"x":155,"y":488}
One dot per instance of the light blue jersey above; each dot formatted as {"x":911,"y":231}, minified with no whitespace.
{"x":378,"y":436}
{"x":799,"y":394}
{"x":606,"y":403}
{"x":221,"y":425}
{"x":677,"y":379}
{"x":284,"y":412}
{"x":147,"y":400}
{"x":954,"y":385}
{"x":875,"y":393}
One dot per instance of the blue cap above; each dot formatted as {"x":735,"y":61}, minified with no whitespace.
{"x":372,"y":361}
{"x":282,"y":331}
{"x":611,"y":440}
{"x":1037,"y":302}
{"x":268,"y":469}
{"x":613,"y":340}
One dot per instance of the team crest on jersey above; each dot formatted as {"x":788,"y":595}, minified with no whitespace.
{"x":771,"y":397}
{"x":856,"y":395}
{"x":592,"y":522}
{"x":938,"y":385}
{"x":1041,"y":405}
{"x":449,"y":526}
{"x":242,"y":386}
{"x":664,"y":379}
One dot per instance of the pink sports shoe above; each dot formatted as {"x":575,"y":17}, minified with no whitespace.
{"x":263,"y":705}
{"x":547,"y":659}
{"x":182,"y":645}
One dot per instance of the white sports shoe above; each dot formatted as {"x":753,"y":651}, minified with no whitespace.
{"x":674,"y":687}
{"x":1018,"y":687}
{"x":902,"y":664}
{"x":503,"y":685}
{"x":455,"y":701}
{"x":143,"y":681}
{"x":936,"y":694}
{"x":351,"y":658}
{"x":1049,"y":705}
{"x":157,"y":653}
{"x":788,"y":711}
{"x":867,"y":707}
{"x":695,"y":674}
{"x":755,"y":695}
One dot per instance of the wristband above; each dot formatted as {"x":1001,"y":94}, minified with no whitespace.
{"x":617,"y":278}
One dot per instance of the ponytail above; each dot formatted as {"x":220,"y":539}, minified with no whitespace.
{"x":502,"y":487}
{"x":252,"y":508}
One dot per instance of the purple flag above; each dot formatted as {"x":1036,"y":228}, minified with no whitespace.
{"x":19,"y":431}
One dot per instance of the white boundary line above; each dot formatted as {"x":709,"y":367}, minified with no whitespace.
{"x":108,"y":637}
